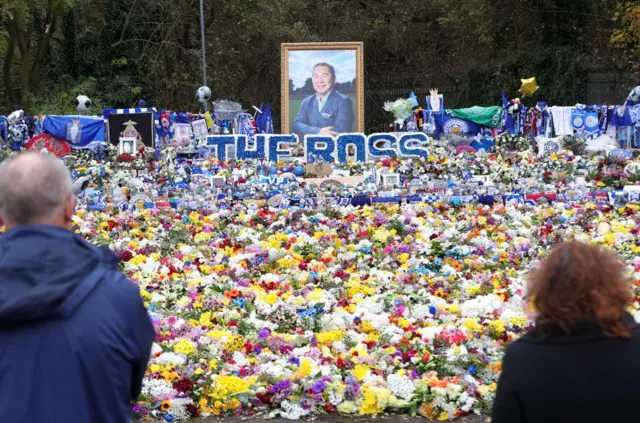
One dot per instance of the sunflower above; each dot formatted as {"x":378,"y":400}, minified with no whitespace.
{"x":166,"y":405}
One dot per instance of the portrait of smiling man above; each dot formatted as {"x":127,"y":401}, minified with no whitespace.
{"x":327,"y":112}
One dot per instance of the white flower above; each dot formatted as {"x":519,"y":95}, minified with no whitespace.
{"x":401,"y":386}
{"x":155,"y":349}
{"x":170,"y":358}
{"x":292,"y":411}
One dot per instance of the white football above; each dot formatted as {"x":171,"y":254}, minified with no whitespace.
{"x":203,"y":94}
{"x":83,"y":103}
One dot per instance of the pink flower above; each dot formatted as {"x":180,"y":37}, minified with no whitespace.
{"x":172,"y":320}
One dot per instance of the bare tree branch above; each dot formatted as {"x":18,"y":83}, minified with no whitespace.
{"x":123,"y":33}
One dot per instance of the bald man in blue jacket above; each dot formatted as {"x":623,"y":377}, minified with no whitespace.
{"x":327,"y":112}
{"x":75,"y":336}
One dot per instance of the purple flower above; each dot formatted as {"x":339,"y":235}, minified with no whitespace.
{"x":354,"y":389}
{"x":319,"y":387}
{"x":144,"y":411}
{"x":264,"y":333}
{"x":294,"y":360}
{"x":282,"y":385}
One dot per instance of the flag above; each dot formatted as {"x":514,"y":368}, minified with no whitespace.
{"x":413,"y":100}
{"x":448,"y":125}
{"x":53,"y":145}
{"x":78,"y":131}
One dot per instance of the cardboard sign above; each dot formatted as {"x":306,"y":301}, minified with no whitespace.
{"x":200,"y":128}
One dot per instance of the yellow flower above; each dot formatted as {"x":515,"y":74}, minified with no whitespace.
{"x":166,"y":405}
{"x":139,"y":259}
{"x":360,"y":371}
{"x":375,"y":400}
{"x":403,"y":323}
{"x":271,"y":298}
{"x":235,"y":344}
{"x":610,"y":238}
{"x":184,"y":346}
{"x":347,"y":407}
{"x":315,"y":295}
{"x":497,"y":326}
{"x":305,"y":367}
{"x":473,"y":290}
{"x":370,"y":403}
{"x":366,"y":327}
{"x":518,"y":321}
{"x":205,"y":319}
{"x":329,"y":337}
{"x":472,"y":325}
{"x":225,"y":386}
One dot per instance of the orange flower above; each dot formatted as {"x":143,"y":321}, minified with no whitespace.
{"x":166,"y":405}
{"x":234,"y":293}
{"x":427,"y":411}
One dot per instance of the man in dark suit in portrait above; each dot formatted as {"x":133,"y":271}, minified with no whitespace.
{"x":327,"y":112}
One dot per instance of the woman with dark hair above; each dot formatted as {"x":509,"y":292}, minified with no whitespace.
{"x":581,"y":362}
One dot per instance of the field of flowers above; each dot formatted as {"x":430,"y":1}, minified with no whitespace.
{"x":350,"y":310}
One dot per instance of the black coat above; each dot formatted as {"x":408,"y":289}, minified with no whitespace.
{"x":583,"y":378}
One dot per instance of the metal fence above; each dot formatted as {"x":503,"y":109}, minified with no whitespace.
{"x":610,"y":87}
{"x":603,"y":87}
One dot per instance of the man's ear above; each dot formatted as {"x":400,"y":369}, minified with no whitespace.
{"x":70,"y":208}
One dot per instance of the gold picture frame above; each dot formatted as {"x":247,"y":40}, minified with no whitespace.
{"x":315,"y":53}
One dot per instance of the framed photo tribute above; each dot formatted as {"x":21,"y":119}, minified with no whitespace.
{"x":322,"y":88}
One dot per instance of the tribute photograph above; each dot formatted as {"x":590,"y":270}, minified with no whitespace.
{"x":322,"y":85}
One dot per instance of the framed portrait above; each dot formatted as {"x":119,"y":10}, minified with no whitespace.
{"x":390,"y":179}
{"x":128,"y":145}
{"x":131,"y":125}
{"x":322,"y":88}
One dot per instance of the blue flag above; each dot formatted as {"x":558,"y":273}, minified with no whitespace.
{"x":449,"y":125}
{"x":507,"y":120}
{"x":413,"y":99}
{"x":78,"y":131}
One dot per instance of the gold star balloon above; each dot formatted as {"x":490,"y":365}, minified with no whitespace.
{"x":529,"y":86}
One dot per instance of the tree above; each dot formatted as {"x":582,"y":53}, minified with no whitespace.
{"x":119,"y":51}
{"x":627,"y":37}
{"x":30,"y":27}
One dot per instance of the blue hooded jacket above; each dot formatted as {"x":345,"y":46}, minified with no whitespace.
{"x":75,"y":338}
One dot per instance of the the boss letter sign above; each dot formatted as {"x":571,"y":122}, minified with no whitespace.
{"x":273,"y":147}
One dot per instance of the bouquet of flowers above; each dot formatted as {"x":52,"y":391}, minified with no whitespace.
{"x":517,"y":142}
{"x":401,"y":109}
{"x":574,"y":143}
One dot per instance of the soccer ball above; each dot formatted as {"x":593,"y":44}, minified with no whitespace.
{"x":203,"y":94}
{"x":83,"y":103}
